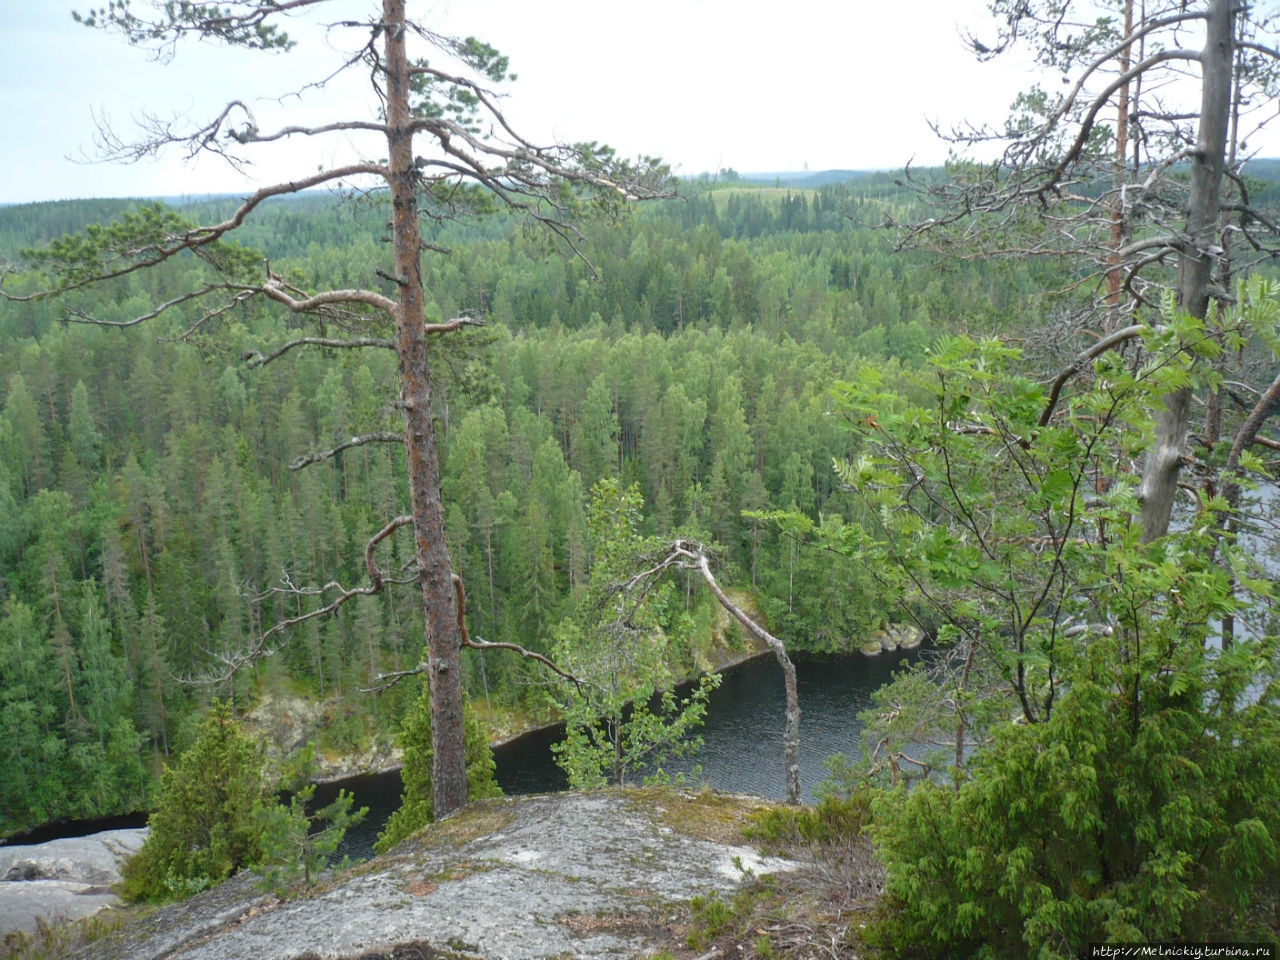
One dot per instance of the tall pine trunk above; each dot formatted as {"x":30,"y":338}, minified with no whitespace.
{"x":449,"y":775}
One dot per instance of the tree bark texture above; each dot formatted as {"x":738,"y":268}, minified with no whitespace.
{"x":1115,"y":276}
{"x":444,"y":674}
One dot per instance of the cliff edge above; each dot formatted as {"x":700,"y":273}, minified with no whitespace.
{"x":563,"y":875}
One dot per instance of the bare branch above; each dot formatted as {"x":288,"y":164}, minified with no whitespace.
{"x":199,"y":237}
{"x":307,"y":459}
{"x":79,"y":316}
{"x":1271,"y":52}
{"x":385,"y":681}
{"x":1095,"y":107}
{"x":1246,"y":437}
{"x":275,"y":289}
{"x":251,"y":135}
{"x":1086,"y":356}
{"x":692,"y":555}
{"x":478,"y":643}
{"x":257,"y":359}
{"x":234,"y":660}
{"x":456,"y":323}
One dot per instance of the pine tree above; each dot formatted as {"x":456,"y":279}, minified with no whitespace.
{"x":416,"y":801}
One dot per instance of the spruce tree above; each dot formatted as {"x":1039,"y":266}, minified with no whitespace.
{"x":205,"y":827}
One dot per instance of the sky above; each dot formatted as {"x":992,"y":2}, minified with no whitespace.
{"x":705,"y":84}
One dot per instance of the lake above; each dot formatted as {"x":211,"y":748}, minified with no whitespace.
{"x":742,"y":739}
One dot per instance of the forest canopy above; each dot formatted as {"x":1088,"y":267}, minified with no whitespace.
{"x":152,"y":504}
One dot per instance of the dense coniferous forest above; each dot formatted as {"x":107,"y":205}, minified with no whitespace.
{"x":1026,"y":402}
{"x":148,"y":508}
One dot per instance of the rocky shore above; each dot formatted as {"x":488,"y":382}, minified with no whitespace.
{"x":63,"y":879}
{"x":892,"y":636}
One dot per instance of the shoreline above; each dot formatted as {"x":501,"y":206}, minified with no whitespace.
{"x":66,"y":827}
{"x":734,"y":660}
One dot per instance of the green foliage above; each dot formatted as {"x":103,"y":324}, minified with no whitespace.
{"x":630,"y":735}
{"x":206,"y":825}
{"x":56,"y":940}
{"x":292,"y":841}
{"x":833,"y":819}
{"x":236,"y":24}
{"x":1145,"y":808}
{"x":986,"y":516}
{"x":712,"y":916}
{"x":622,"y":716}
{"x":137,"y":238}
{"x":170,"y":497}
{"x":416,"y":807}
{"x":1144,"y":758}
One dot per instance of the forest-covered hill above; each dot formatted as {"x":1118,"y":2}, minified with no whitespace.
{"x":148,"y":510}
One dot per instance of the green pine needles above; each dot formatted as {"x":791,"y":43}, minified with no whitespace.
{"x":205,"y":827}
{"x":217,"y":816}
{"x":296,"y":842}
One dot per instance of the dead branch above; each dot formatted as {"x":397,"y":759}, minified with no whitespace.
{"x":198,"y":238}
{"x":1086,"y":356}
{"x":307,"y":459}
{"x":455,"y":324}
{"x":385,"y":681}
{"x":276,"y":290}
{"x":692,"y":555}
{"x":203,"y":319}
{"x":478,"y":643}
{"x":251,"y":134}
{"x":79,"y":316}
{"x":232,"y":661}
{"x":256,"y":359}
{"x":1245,"y":437}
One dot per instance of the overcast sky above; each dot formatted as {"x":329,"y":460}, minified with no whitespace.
{"x":704,"y":84}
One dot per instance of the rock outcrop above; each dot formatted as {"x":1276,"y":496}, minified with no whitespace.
{"x":590,"y":875}
{"x":63,"y":879}
{"x":287,"y":724}
{"x":893,"y":636}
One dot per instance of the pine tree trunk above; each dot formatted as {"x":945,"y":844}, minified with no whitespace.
{"x":449,"y":776}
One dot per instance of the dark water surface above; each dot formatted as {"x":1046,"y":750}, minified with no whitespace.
{"x":742,"y":739}
{"x":742,"y":744}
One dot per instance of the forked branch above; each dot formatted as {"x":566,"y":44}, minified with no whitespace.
{"x":694,"y":556}
{"x":385,"y":681}
{"x":230,"y":661}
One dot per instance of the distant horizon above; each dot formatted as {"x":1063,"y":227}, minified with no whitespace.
{"x":751,"y":175}
{"x":754,"y":176}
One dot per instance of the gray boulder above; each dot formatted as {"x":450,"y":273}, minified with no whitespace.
{"x":63,"y":879}
{"x":893,"y":636}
